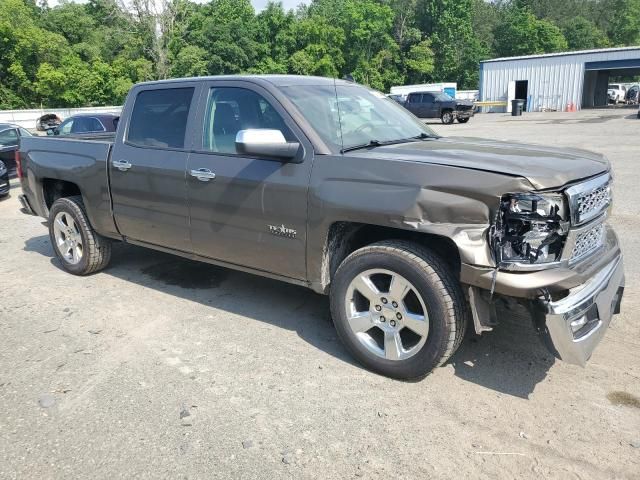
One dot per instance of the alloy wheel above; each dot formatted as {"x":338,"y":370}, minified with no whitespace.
{"x":68,"y":238}
{"x":387,"y":314}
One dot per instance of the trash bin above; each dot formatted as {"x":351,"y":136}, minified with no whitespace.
{"x":517,"y":106}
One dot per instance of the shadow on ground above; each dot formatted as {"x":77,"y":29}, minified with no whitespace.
{"x":510,"y":360}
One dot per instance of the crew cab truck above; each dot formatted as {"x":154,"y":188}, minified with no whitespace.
{"x":333,"y":186}
{"x":439,"y":105}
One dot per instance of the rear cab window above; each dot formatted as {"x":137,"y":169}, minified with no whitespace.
{"x":159,"y":118}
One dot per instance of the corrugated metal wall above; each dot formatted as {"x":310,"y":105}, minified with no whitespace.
{"x":554,"y":81}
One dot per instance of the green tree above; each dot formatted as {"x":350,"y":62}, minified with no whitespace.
{"x":583,"y":34}
{"x":521,"y":33}
{"x":621,"y":21}
{"x":420,"y":62}
{"x":449,"y":26}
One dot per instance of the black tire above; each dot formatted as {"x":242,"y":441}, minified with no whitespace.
{"x":96,"y":248}
{"x":442,"y":294}
{"x":447,"y":117}
{"x":463,"y":120}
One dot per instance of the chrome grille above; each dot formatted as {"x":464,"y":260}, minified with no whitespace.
{"x":596,"y":200}
{"x":590,"y":199}
{"x":587,"y":242}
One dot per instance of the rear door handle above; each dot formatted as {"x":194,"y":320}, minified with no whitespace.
{"x":121,"y":165}
{"x":203,"y":174}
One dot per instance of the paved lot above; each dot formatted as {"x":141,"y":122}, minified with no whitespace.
{"x":163,"y":368}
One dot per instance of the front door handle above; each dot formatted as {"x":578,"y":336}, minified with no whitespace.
{"x":203,"y":174}
{"x":121,"y":165}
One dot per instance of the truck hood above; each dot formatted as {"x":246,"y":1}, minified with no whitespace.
{"x":544,"y":167}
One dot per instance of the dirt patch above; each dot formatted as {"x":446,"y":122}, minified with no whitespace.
{"x":624,"y":398}
{"x":187,"y":274}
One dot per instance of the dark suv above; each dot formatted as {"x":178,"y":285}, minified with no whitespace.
{"x":87,"y":124}
{"x":439,"y":105}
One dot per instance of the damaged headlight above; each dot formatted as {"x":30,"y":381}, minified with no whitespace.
{"x":530,"y":229}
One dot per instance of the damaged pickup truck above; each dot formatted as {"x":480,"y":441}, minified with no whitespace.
{"x":330,"y":185}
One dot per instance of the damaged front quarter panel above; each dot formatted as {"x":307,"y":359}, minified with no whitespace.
{"x":454,"y":203}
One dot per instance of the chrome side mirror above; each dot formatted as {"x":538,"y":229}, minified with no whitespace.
{"x":265,"y":142}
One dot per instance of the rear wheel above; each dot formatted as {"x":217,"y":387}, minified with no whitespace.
{"x":398,"y":309}
{"x":463,"y":120}
{"x":447,"y":117}
{"x":80,"y":249}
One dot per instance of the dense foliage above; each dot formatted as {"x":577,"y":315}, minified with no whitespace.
{"x":91,"y":53}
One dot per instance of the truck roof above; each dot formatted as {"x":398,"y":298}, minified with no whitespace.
{"x":276,"y":80}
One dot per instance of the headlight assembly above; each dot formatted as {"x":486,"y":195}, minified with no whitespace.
{"x":3,"y":168}
{"x":530,"y":229}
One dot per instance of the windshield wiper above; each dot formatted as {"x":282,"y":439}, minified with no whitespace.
{"x":372,"y":143}
{"x":422,"y":136}
{"x":378,"y":143}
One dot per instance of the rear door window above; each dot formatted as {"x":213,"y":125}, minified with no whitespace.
{"x":159,"y":118}
{"x":66,"y":126}
{"x":9,"y":137}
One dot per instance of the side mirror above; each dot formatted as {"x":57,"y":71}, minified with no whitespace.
{"x":266,"y":143}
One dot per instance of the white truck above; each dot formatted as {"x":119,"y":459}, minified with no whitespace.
{"x":616,"y":92}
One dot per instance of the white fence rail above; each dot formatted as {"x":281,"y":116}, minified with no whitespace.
{"x":27,"y":118}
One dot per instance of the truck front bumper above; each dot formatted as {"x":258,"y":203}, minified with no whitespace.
{"x":571,"y":307}
{"x":572,"y":326}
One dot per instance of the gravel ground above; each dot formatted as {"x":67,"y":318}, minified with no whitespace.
{"x":160,"y":367}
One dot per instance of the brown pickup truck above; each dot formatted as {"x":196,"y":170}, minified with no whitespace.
{"x":330,"y":185}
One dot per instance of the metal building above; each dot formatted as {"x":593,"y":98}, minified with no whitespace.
{"x":556,"y":81}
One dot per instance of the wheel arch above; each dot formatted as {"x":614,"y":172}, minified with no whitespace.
{"x":343,"y":238}
{"x":53,"y":189}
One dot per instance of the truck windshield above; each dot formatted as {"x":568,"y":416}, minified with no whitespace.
{"x":351,"y":115}
{"x":443,"y":97}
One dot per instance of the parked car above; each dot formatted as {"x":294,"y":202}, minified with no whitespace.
{"x":616,"y":92}
{"x":4,"y":179}
{"x":9,"y":140}
{"x":632,"y":94}
{"x":439,"y":105}
{"x":414,"y":237}
{"x":87,"y":124}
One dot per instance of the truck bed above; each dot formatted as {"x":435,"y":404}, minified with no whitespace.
{"x":81,"y":162}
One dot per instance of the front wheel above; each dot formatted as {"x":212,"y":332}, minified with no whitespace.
{"x":77,"y":245}
{"x":447,"y":117}
{"x":398,"y":309}
{"x":463,"y":120}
